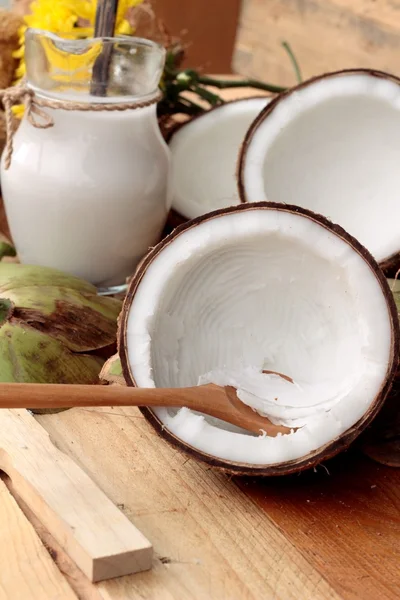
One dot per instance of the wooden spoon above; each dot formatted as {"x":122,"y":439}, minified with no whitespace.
{"x":220,"y":402}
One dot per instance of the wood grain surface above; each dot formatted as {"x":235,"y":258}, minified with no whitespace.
{"x":99,"y":538}
{"x":211,"y":541}
{"x":329,"y":533}
{"x":325,"y":35}
{"x":345,"y":519}
{"x":27,"y":570}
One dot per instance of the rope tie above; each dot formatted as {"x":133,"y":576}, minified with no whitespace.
{"x":40,"y":119}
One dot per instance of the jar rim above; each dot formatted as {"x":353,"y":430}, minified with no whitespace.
{"x":129,"y":39}
{"x":119,"y":67}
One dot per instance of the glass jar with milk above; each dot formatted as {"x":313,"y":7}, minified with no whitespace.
{"x":86,"y":192}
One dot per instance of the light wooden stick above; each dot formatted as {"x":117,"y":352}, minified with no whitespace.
{"x":88,"y":526}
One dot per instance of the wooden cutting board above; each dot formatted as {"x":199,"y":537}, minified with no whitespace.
{"x":333,"y":533}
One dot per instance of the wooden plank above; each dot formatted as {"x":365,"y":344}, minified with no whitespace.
{"x":210,"y":540}
{"x":325,"y":35}
{"x":99,"y":538}
{"x":345,"y":520}
{"x":27,"y":570}
{"x":82,"y":587}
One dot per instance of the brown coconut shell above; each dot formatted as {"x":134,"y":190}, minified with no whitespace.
{"x":381,"y":442}
{"x":390,"y":264}
{"x":336,"y":445}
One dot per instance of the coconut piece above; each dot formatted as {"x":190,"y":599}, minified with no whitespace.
{"x":332,"y":145}
{"x":275,"y":288}
{"x":54,"y":328}
{"x":204,"y":153}
{"x":394,"y":285}
{"x":111,"y":373}
{"x":279,"y":398}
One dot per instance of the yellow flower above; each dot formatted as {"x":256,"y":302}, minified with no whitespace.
{"x":64,"y":18}
{"x":18,"y":110}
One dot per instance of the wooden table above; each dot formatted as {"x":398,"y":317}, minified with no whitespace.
{"x":333,"y":533}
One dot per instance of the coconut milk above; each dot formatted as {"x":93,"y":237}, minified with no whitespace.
{"x":88,"y":195}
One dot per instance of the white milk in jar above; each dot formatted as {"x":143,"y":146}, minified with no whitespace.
{"x":88,"y":195}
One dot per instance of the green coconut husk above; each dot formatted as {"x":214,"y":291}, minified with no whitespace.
{"x":54,"y":328}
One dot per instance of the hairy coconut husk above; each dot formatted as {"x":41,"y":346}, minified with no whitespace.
{"x":54,"y":328}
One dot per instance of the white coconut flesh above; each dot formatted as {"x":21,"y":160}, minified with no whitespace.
{"x":204,"y":156}
{"x":262,"y":289}
{"x":333,"y":147}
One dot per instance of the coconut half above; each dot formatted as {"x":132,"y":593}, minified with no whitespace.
{"x":265,"y":287}
{"x":332,"y":145}
{"x":204,"y":154}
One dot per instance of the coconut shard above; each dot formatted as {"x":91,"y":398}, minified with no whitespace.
{"x":332,"y":145}
{"x":247,"y":290}
{"x":204,"y":153}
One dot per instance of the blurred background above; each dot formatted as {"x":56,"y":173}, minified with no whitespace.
{"x":245,"y":36}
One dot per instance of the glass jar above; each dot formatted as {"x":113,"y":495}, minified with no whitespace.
{"x":88,"y":195}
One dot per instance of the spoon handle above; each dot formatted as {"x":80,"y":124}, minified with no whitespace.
{"x":51,"y":395}
{"x":212,"y":400}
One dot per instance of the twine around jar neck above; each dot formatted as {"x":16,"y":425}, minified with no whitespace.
{"x":40,"y":119}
